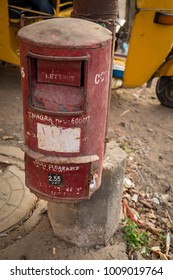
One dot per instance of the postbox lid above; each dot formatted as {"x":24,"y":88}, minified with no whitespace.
{"x":65,"y":32}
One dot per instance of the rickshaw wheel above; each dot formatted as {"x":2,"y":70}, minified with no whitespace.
{"x":164,"y":91}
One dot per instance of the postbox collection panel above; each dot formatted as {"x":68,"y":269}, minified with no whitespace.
{"x":52,"y":180}
{"x":65,"y":97}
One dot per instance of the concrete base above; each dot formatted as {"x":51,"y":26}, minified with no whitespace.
{"x":94,"y":221}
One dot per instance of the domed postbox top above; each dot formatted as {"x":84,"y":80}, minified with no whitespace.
{"x":65,"y":32}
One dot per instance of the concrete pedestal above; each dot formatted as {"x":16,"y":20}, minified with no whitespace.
{"x":94,"y":221}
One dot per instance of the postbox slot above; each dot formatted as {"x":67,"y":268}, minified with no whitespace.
{"x":60,"y":72}
{"x":58,"y":99}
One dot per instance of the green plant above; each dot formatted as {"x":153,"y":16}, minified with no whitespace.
{"x":135,"y":238}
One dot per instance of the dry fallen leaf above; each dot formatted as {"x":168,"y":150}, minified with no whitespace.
{"x":169,"y":217}
{"x":164,"y":220}
{"x":146,"y":203}
{"x":150,"y":215}
{"x":165,"y":198}
{"x":156,"y":248}
{"x":129,"y":213}
{"x":169,"y":225}
{"x":153,"y":229}
{"x":161,"y":255}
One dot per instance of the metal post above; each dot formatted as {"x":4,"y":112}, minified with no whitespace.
{"x":96,"y":9}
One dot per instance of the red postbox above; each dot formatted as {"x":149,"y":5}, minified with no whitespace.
{"x":65,"y":68}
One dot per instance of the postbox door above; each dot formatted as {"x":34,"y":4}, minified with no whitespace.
{"x":57,"y":84}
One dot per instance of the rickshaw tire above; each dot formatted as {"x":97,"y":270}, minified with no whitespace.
{"x":164,"y":91}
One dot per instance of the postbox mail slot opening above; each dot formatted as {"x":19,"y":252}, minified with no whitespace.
{"x":58,"y":98}
{"x":60,"y":72}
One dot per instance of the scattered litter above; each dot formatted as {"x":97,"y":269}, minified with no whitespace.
{"x":150,"y":215}
{"x":129,"y":213}
{"x":164,"y":220}
{"x":139,"y":173}
{"x":125,"y":112}
{"x":128,"y":183}
{"x":130,"y":158}
{"x":156,"y":248}
{"x":160,"y":254}
{"x":53,"y":251}
{"x":155,"y":200}
{"x":116,"y":83}
{"x":168,"y":242}
{"x":19,"y":237}
{"x":141,"y":207}
{"x":135,"y":95}
{"x":170,"y":135}
{"x":135,"y":197}
{"x":169,"y":217}
{"x":154,"y":230}
{"x":3,"y":234}
{"x":7,"y":137}
{"x":165,"y":198}
{"x":20,"y":141}
{"x":146,"y":203}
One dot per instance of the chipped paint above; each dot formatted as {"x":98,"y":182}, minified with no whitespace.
{"x":58,"y":139}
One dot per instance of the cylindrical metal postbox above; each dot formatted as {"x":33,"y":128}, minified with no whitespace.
{"x":65,"y":68}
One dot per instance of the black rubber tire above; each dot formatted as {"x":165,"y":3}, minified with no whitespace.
{"x":164,"y":91}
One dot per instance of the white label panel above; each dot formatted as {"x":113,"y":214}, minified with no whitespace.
{"x":58,"y":139}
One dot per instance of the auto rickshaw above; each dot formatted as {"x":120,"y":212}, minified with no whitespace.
{"x":148,"y":33}
{"x":12,"y":17}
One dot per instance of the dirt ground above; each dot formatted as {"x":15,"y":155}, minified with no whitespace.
{"x":140,"y":126}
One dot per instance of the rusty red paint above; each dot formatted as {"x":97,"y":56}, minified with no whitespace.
{"x":71,"y":184}
{"x":65,"y":122}
{"x":65,"y":72}
{"x":61,"y":99}
{"x":58,"y":33}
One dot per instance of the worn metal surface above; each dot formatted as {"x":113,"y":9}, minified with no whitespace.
{"x":57,"y":32}
{"x":65,"y":94}
{"x":104,"y":13}
{"x":58,"y":160}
